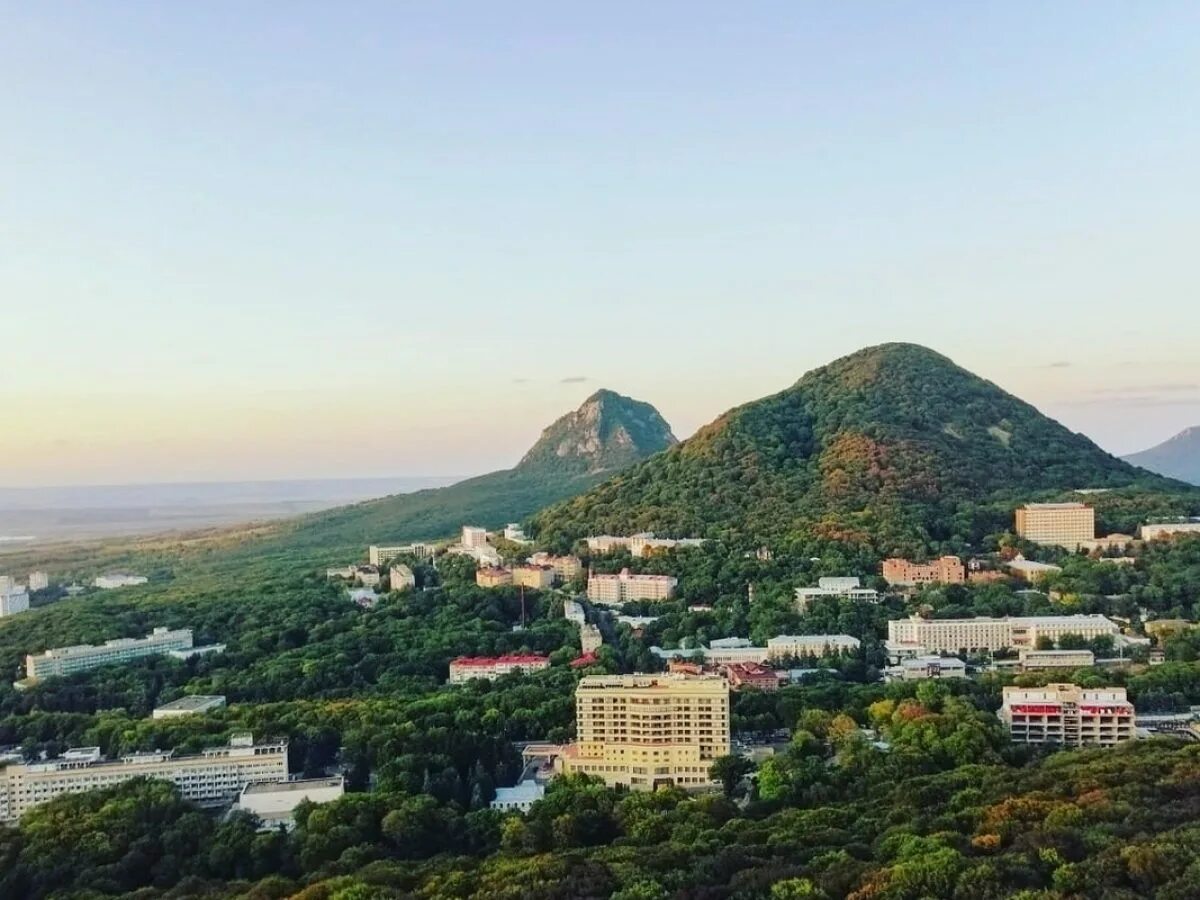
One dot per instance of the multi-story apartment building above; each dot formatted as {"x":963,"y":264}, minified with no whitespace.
{"x":640,"y":545}
{"x":474,"y":536}
{"x":1056,"y":524}
{"x":785,"y":646}
{"x":1068,"y":715}
{"x":381,"y":555}
{"x":844,"y":587}
{"x":573,"y":612}
{"x":945,"y":570}
{"x":38,"y":581}
{"x":13,"y":600}
{"x":68,"y":660}
{"x":491,"y":577}
{"x":115,"y":580}
{"x":401,"y":577}
{"x":1031,"y":570}
{"x":1030,"y":660}
{"x":566,"y":568}
{"x":590,"y":638}
{"x":213,"y":777}
{"x":644,"y":731}
{"x":751,"y":675}
{"x":368,"y":576}
{"x":536,"y":577}
{"x":613,"y":589}
{"x":987,"y":634}
{"x":1154,"y":530}
{"x":465,"y":668}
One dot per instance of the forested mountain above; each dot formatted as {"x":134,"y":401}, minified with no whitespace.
{"x":1178,"y":457}
{"x":608,"y":432}
{"x":894,"y":445}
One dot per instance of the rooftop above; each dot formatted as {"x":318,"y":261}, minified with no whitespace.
{"x":288,"y":787}
{"x":510,"y":660}
{"x":193,"y":703}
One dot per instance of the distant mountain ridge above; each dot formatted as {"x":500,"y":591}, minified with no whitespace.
{"x":1177,"y":457}
{"x":607,"y":433}
{"x":893,"y":446}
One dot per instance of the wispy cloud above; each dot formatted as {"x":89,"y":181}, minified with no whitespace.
{"x":574,"y":379}
{"x":1059,"y":364}
{"x":1170,"y":394}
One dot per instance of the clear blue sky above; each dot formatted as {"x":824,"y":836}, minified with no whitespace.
{"x":316,"y":239}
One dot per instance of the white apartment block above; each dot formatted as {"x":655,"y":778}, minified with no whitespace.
{"x":13,"y":600}
{"x":381,"y":555}
{"x":789,"y":645}
{"x":643,"y":731}
{"x":624,"y":586}
{"x":847,"y":587}
{"x":922,"y":668}
{"x":38,"y":581}
{"x":474,"y":536}
{"x":1154,"y":530}
{"x":573,"y":612}
{"x":274,"y":803}
{"x":213,"y":777}
{"x":565,"y":567}
{"x":1056,"y":524}
{"x":115,"y":580}
{"x":80,"y":658}
{"x":987,"y":634}
{"x":1068,"y":715}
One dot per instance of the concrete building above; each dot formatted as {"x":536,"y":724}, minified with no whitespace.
{"x":566,"y":568}
{"x":644,"y":731}
{"x":619,"y":588}
{"x":274,"y":803}
{"x":346,"y":573}
{"x":1035,"y":660}
{"x":944,"y":570}
{"x":1031,"y":570}
{"x":38,"y":581}
{"x":742,"y":676}
{"x":368,"y":576}
{"x":987,"y":634}
{"x":843,"y":587}
{"x":1068,"y":715}
{"x":1056,"y":524}
{"x":785,"y":646}
{"x":920,"y":668}
{"x":1108,"y":542}
{"x":13,"y":600}
{"x":69,"y":660}
{"x":1152,"y":531}
{"x":115,"y":580}
{"x":213,"y":777}
{"x":193,"y":705}
{"x":573,"y":612}
{"x":640,"y":545}
{"x":401,"y":577}
{"x":539,"y":578}
{"x":381,"y":555}
{"x":519,"y":798}
{"x":590,"y":638}
{"x":464,"y":668}
{"x":474,"y":536}
{"x":490,"y":577}
{"x":515,"y":533}
{"x":7,"y":583}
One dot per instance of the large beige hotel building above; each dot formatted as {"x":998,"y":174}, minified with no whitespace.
{"x":1057,"y":524}
{"x":626,"y":585}
{"x":644,"y":731}
{"x":984,"y":633}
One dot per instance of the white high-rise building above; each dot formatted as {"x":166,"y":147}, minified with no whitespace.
{"x":80,"y":658}
{"x":210,"y":778}
{"x":13,"y":601}
{"x":38,"y":581}
{"x":473,"y":536}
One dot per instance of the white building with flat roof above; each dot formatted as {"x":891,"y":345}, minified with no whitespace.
{"x":795,"y":645}
{"x":1155,"y":530}
{"x":474,"y":536}
{"x":983,"y":633}
{"x":114,"y":580}
{"x":212,"y":777}
{"x":13,"y":600}
{"x":519,"y":798}
{"x":81,"y":657}
{"x":192,"y":705}
{"x":921,"y":668}
{"x":274,"y":803}
{"x":38,"y":581}
{"x":843,"y":587}
{"x":382,"y":554}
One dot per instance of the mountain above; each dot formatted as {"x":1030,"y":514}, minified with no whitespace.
{"x":893,"y":446}
{"x":1178,"y":457}
{"x":607,"y":433}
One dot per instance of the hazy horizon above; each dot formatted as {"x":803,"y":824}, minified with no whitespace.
{"x":407,"y":238}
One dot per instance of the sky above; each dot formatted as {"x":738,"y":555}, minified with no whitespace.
{"x":244,"y":241}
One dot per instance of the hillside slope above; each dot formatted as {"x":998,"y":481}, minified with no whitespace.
{"x":1178,"y":457}
{"x":893,"y":446}
{"x":607,"y":433}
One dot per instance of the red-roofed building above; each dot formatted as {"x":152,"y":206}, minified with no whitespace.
{"x":465,"y":668}
{"x":751,"y":675}
{"x":1068,"y":715}
{"x":587,"y":659}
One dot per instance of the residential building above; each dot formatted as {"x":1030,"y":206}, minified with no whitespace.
{"x":1031,"y":570}
{"x":519,"y":798}
{"x":645,"y":731}
{"x":537,"y":577}
{"x":944,"y":570}
{"x":484,"y":555}
{"x":920,"y":668}
{"x":988,"y":634}
{"x":841,"y":587}
{"x":1154,"y":530}
{"x":213,"y":777}
{"x":192,"y":705}
{"x":1056,"y":524}
{"x":590,"y":638}
{"x":566,"y":568}
{"x":380,"y":555}
{"x":345,"y":573}
{"x":464,"y":668}
{"x":614,"y":589}
{"x":515,"y":533}
{"x":639,"y":545}
{"x":1109,"y":542}
{"x":401,"y":577}
{"x":724,"y":651}
{"x":1068,"y":715}
{"x":13,"y":600}
{"x":38,"y":581}
{"x":786,"y":646}
{"x":368,"y":576}
{"x":1032,"y":660}
{"x":69,"y":660}
{"x":751,"y":675}
{"x":491,"y":577}
{"x":118,"y":580}
{"x":573,"y":611}
{"x":274,"y":803}
{"x":474,"y":536}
